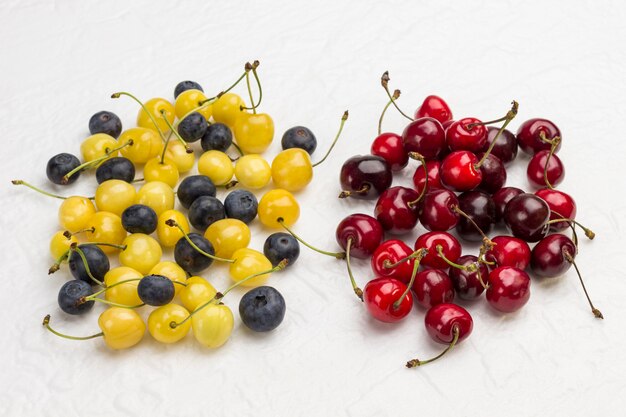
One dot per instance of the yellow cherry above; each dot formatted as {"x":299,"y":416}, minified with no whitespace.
{"x":107,"y":229}
{"x":278,"y":204}
{"x":157,"y":195}
{"x":227,"y":109}
{"x":213,"y":325}
{"x":59,"y":244}
{"x":168,"y":236}
{"x":254,"y":132}
{"x":292,"y":169}
{"x":121,"y":327}
{"x":177,"y":153}
{"x":252,"y":171}
{"x":217,"y":166}
{"x":160,"y":319}
{"x":164,"y":171}
{"x":125,"y":294}
{"x":142,"y":252}
{"x":248,"y":262}
{"x":147,"y":144}
{"x":115,"y":196}
{"x":172,"y":271}
{"x":197,"y":292}
{"x":155,"y":106}
{"x":190,"y":100}
{"x":227,"y":236}
{"x":96,"y":146}
{"x":75,"y":213}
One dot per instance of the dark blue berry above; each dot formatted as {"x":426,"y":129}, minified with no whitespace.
{"x":105,"y":122}
{"x":279,"y":246}
{"x":242,"y":205}
{"x":299,"y":137}
{"x":262,"y":309}
{"x":155,"y":290}
{"x":117,"y":168}
{"x":218,"y":137}
{"x":60,"y":165}
{"x":139,"y":219}
{"x":186,"y":85}
{"x":96,"y":260}
{"x":71,"y":297}
{"x":189,"y":258}
{"x":192,"y":127}
{"x":194,"y":186}
{"x":205,"y":211}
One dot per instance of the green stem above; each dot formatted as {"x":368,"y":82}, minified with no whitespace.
{"x":338,"y":255}
{"x":420,"y":254}
{"x":220,"y":94}
{"x":113,"y":304}
{"x":507,"y":119}
{"x":124,"y":93}
{"x":458,"y":210}
{"x":46,"y":323}
{"x":80,"y":253}
{"x":396,"y":95}
{"x":332,"y":145}
{"x":416,"y":362}
{"x":95,"y":162}
{"x":570,"y":259}
{"x":357,"y":290}
{"x":253,"y":108}
{"x":553,"y":146}
{"x":588,"y":232}
{"x":175,"y":131}
{"x":468,"y":268}
{"x":384,"y":81}
{"x":172,"y":223}
{"x":419,"y":157}
{"x":39,"y":190}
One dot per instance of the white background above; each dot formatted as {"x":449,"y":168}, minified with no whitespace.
{"x":60,"y":61}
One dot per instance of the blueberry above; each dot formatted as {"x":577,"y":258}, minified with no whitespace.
{"x":190,"y":259}
{"x":155,"y":290}
{"x":139,"y":219}
{"x":279,"y":246}
{"x":96,"y":260}
{"x":218,"y":137}
{"x":70,"y":296}
{"x":193,"y":187}
{"x":105,"y":122}
{"x":192,"y":127}
{"x":242,"y":205}
{"x":205,"y":211}
{"x":299,"y":137}
{"x":262,"y":309}
{"x":186,"y":85}
{"x":117,"y":168}
{"x":60,"y":165}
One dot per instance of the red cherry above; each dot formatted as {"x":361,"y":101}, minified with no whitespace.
{"x":467,"y":284}
{"x":509,"y":251}
{"x":493,"y":172}
{"x":380,"y":295}
{"x":536,"y":167}
{"x":450,"y":247}
{"x":530,"y":132}
{"x":364,"y":232}
{"x":437,"y":210}
{"x":426,"y":137}
{"x":365,"y":177}
{"x":390,"y":252}
{"x":435,"y":107}
{"x":502,"y":197}
{"x":561,"y":204}
{"x":506,"y":146}
{"x":458,"y":171}
{"x":509,"y":289}
{"x":397,"y":209}
{"x":434,"y":181}
{"x":389,"y":147}
{"x":460,"y":136}
{"x":432,"y":287}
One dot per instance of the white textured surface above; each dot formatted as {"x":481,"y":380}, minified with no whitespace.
{"x":60,"y":60}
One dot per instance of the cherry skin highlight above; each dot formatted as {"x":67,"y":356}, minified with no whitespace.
{"x":501,"y":199}
{"x":509,"y":251}
{"x":390,"y":252}
{"x":467,"y":284}
{"x":530,"y":132}
{"x":432,"y":287}
{"x":434,"y":180}
{"x":526,"y":216}
{"x":365,"y":233}
{"x":437,"y":211}
{"x":450,"y":246}
{"x":509,"y":289}
{"x":561,"y":204}
{"x":548,"y":256}
{"x":426,"y":137}
{"x":435,"y":107}
{"x":365,"y":176}
{"x":458,"y":171}
{"x":389,"y":146}
{"x":380,"y":295}
{"x":441,"y":320}
{"x":397,"y":210}
{"x":536,"y":168}
{"x":460,"y":137}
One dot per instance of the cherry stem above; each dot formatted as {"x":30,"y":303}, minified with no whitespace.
{"x":113,"y":304}
{"x":396,"y":95}
{"x":46,"y":324}
{"x":172,"y":223}
{"x":419,"y":157}
{"x":384,"y":81}
{"x":238,"y":149}
{"x":507,"y":119}
{"x":175,"y":131}
{"x":233,"y":85}
{"x":253,"y":108}
{"x":57,"y":265}
{"x":332,"y":145}
{"x":94,"y":162}
{"x":544,"y":138}
{"x":86,"y":265}
{"x":363,"y":190}
{"x":588,"y":232}
{"x":416,"y":362}
{"x":39,"y":190}
{"x":571,"y":226}
{"x":484,"y":248}
{"x":468,"y":268}
{"x":357,"y":290}
{"x":69,"y":234}
{"x":388,"y":265}
{"x":418,"y":257}
{"x":124,"y":93}
{"x":570,"y":259}
{"x":553,"y":146}
{"x":337,"y":255}
{"x":458,"y":210}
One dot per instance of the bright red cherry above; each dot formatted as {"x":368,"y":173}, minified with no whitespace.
{"x":364,"y":232}
{"x":526,"y":216}
{"x":509,"y":289}
{"x":493,"y":172}
{"x":561,"y":204}
{"x":388,"y":253}
{"x":380,"y":296}
{"x":467,"y":284}
{"x":536,"y":168}
{"x":397,"y":209}
{"x":365,"y":177}
{"x":434,"y":181}
{"x":450,"y":247}
{"x":426,"y":137}
{"x":435,"y":107}
{"x":389,"y":147}
{"x":506,"y":146}
{"x":432,"y":287}
{"x":466,"y":135}
{"x":501,"y":199}
{"x":509,"y":251}
{"x":530,"y":133}
{"x":459,"y":173}
{"x":437,"y":210}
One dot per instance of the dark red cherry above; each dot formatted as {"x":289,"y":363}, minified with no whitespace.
{"x":506,"y":146}
{"x":432,"y":287}
{"x":461,"y":136}
{"x":364,"y":232}
{"x":501,"y":199}
{"x":509,"y":251}
{"x":561,"y":204}
{"x":426,"y":137}
{"x":509,"y":289}
{"x":467,"y":284}
{"x":458,"y":171}
{"x":441,"y":319}
{"x":365,"y":177}
{"x":530,"y":132}
{"x":479,"y":206}
{"x":397,"y":209}
{"x":526,"y":216}
{"x":437,"y":210}
{"x":451,"y":249}
{"x":493,"y":172}
{"x":435,"y":107}
{"x":548,"y":256}
{"x":434,"y":181}
{"x":389,"y":252}
{"x":379,"y":296}
{"x":389,"y":147}
{"x":536,"y":167}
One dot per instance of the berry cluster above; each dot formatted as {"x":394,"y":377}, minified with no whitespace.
{"x":138,"y":224}
{"x":459,"y":186}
